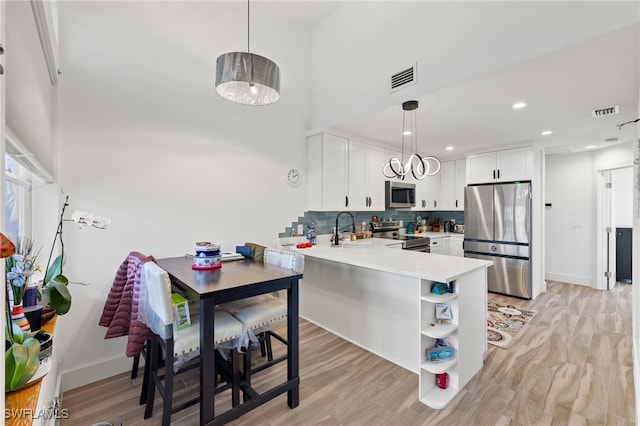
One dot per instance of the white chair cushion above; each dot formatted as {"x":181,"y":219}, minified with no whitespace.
{"x":226,"y":328}
{"x":257,"y":311}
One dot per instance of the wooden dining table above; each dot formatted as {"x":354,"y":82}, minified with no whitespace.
{"x":233,"y":281}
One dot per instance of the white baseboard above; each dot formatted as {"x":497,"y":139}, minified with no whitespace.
{"x":571,"y":279}
{"x":93,"y":373}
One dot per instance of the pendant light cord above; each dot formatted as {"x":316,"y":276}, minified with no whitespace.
{"x":248,"y":40}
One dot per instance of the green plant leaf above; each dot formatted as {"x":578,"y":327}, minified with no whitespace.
{"x":59,"y":295}
{"x":54,"y":270}
{"x":21,"y":363}
{"x":18,"y":335}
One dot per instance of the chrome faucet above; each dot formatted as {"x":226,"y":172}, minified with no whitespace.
{"x":336,"y":238}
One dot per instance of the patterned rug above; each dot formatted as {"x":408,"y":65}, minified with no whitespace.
{"x":504,"y":321}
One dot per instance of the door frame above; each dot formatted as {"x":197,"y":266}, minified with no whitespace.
{"x":604,"y":208}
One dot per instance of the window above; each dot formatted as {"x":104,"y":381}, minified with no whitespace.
{"x":17,"y":220}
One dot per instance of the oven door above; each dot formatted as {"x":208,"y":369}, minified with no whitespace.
{"x":423,"y":249}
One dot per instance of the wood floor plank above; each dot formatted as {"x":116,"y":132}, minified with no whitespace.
{"x":571,"y":365}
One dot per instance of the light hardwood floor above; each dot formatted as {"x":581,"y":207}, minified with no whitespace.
{"x":571,"y":365}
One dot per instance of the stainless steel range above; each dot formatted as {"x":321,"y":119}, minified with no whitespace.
{"x":391,"y":230}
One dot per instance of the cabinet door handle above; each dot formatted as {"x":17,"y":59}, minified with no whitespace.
{"x":435,"y":204}
{"x":346,"y":201}
{"x":494,"y":173}
{"x":498,"y":173}
{"x":424,"y":204}
{"x":456,"y":203}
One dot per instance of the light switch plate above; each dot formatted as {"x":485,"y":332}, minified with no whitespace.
{"x":300,"y":229}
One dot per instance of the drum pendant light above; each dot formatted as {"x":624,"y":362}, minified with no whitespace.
{"x":247,"y":78}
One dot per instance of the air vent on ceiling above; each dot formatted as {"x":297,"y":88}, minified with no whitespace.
{"x":403,"y":78}
{"x":558,"y":150}
{"x":605,"y":111}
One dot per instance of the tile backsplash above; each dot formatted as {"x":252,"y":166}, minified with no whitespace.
{"x":327,"y":220}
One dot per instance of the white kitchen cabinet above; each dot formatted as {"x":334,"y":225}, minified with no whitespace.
{"x":327,"y":187}
{"x":366,"y":181}
{"x":344,"y":174}
{"x":438,"y":245}
{"x":500,"y":166}
{"x":460,"y":184}
{"x":447,"y":185}
{"x":455,"y":245}
{"x":428,"y":193}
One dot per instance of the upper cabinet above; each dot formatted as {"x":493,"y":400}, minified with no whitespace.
{"x":344,"y":174}
{"x":444,"y":191}
{"x":327,"y":157}
{"x":500,"y":166}
{"x":428,"y":192}
{"x":366,"y":181}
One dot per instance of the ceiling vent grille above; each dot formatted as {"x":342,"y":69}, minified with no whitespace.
{"x":403,"y":78}
{"x":596,"y":113}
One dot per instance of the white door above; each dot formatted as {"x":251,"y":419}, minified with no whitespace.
{"x":610,"y":229}
{"x":606,"y":236}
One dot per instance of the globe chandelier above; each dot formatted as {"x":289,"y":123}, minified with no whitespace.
{"x":420,"y":167}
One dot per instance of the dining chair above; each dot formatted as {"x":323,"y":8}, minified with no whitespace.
{"x":181,"y":347}
{"x":262,"y":315}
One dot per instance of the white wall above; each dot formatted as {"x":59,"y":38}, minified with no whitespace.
{"x":570,"y":221}
{"x":146,"y":141}
{"x":358,"y":48}
{"x":623,"y":197}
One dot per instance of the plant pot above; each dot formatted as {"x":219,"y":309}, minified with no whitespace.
{"x":18,"y":318}
{"x":30,"y":296}
{"x":34,"y":316}
{"x":47,"y":315}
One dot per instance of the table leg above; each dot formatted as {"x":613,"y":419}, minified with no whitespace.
{"x":293,"y":396}
{"x":207,"y":361}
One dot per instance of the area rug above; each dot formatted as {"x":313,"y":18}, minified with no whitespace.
{"x":505,"y":321}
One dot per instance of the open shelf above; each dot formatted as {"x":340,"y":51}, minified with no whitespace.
{"x":439,"y":398}
{"x":439,"y":367}
{"x":439,"y":298}
{"x":439,"y":331}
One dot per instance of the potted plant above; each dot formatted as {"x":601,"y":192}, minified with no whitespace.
{"x":23,"y":348}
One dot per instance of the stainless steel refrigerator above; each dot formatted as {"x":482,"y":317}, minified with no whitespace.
{"x":497,"y":227}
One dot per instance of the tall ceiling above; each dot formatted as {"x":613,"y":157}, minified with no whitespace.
{"x":561,"y":89}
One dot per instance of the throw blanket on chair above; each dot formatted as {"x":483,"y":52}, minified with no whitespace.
{"x":120,"y":312}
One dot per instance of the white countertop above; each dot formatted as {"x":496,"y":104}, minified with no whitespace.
{"x":387,"y":255}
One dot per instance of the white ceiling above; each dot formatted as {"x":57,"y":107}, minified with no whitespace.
{"x":560,"y":90}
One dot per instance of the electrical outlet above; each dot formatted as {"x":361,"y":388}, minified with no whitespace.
{"x":300,"y":229}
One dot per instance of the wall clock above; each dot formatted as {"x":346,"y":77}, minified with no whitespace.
{"x":294,"y":177}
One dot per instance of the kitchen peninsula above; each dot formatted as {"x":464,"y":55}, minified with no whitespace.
{"x":372,"y":293}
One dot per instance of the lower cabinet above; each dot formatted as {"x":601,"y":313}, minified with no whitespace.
{"x":455,"y":246}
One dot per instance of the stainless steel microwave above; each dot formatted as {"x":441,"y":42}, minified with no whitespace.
{"x":399,"y":195}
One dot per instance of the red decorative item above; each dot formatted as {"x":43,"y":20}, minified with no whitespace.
{"x":203,"y":268}
{"x":442,"y":380}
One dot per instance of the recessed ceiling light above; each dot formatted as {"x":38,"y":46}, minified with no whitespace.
{"x":546,"y":132}
{"x":449,"y":148}
{"x":518,"y":105}
{"x":406,"y":132}
{"x":590,"y":146}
